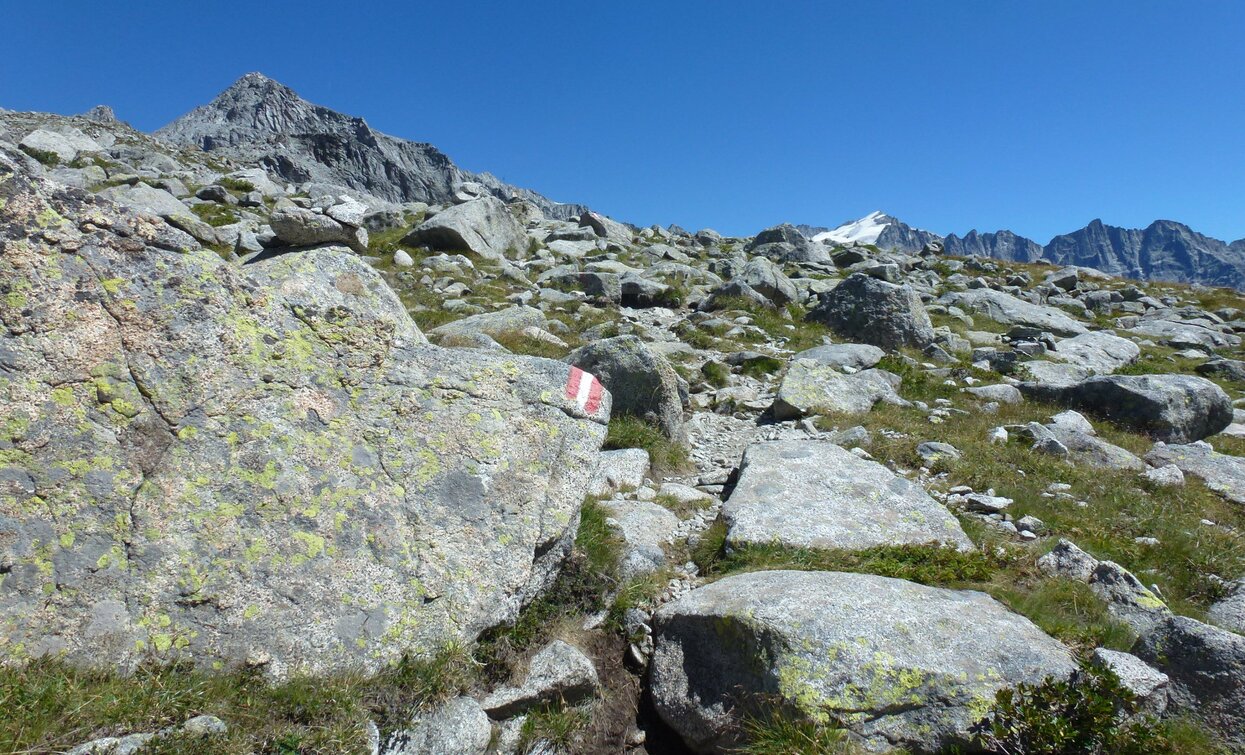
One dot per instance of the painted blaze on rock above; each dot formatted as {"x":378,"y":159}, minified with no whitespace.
{"x":266,"y":464}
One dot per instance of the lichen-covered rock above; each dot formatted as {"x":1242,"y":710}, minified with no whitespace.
{"x":868,"y":310}
{"x":810,"y":387}
{"x":1206,"y":666}
{"x":1008,"y":310}
{"x":805,"y":493}
{"x":483,"y":226}
{"x":262,"y":464}
{"x":1170,"y":408}
{"x":559,"y":672}
{"x":895,"y":663}
{"x":456,"y":727}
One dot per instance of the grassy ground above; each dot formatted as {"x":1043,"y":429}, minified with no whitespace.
{"x":665,"y":455}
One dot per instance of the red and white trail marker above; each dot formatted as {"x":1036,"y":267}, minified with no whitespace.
{"x":584,"y":389}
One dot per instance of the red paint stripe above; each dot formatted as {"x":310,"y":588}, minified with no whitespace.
{"x":594,"y":396}
{"x":572,"y":383}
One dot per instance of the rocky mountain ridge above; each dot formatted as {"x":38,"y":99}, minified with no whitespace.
{"x":263,"y":122}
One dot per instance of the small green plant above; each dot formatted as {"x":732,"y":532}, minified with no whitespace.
{"x":626,"y":431}
{"x":716,"y":374}
{"x":930,"y":564}
{"x":215,"y":215}
{"x":556,"y":723}
{"x":521,"y":343}
{"x":761,"y":367}
{"x":1090,"y":713}
{"x":46,"y":157}
{"x":236,"y":184}
{"x":776,"y":734}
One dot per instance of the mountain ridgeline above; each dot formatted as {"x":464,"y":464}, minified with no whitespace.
{"x":1164,"y":250}
{"x":261,"y":121}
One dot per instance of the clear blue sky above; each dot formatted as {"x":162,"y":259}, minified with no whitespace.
{"x":1035,"y":116}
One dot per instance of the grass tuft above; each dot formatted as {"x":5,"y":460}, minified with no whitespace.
{"x":665,"y":455}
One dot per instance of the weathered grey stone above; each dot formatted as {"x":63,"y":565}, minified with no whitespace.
{"x":127,"y":745}
{"x":768,"y":280}
{"x":1146,"y":683}
{"x":493,"y":324}
{"x":65,"y":144}
{"x":809,"y":387}
{"x":1206,"y":666}
{"x":1002,"y":393}
{"x":895,"y":663}
{"x":457,"y":727}
{"x":560,"y":671}
{"x":1229,"y":612}
{"x":867,"y":310}
{"x":1126,"y":598}
{"x":858,"y":356}
{"x":643,"y":382}
{"x":296,"y":226}
{"x":1097,"y":352}
{"x":932,"y":451}
{"x":645,"y":528}
{"x":1222,"y":473}
{"x":1068,"y":561}
{"x":147,"y":199}
{"x":621,"y":469}
{"x":1171,"y":408}
{"x":270,"y":472}
{"x":483,"y":226}
{"x":807,"y":493}
{"x":1230,"y":369}
{"x":1008,"y":310}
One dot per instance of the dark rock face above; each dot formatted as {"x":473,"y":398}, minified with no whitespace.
{"x":864,"y":309}
{"x":1206,"y":666}
{"x":1164,"y":250}
{"x":1170,"y":408}
{"x":260,"y":120}
{"x":1003,"y":245}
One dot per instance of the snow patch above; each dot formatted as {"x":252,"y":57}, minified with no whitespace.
{"x":863,"y":231}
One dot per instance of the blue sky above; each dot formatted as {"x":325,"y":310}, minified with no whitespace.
{"x":1035,"y":116}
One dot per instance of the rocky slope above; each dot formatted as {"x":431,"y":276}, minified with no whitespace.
{"x":550,"y":485}
{"x":264,"y":122}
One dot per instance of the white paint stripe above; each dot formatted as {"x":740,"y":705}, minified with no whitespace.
{"x":585,"y":387}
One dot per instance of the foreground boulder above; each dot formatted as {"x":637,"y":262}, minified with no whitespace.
{"x":643,"y":382}
{"x":483,"y":226}
{"x":815,"y":494}
{"x":865,"y":309}
{"x":263,"y":465}
{"x":895,"y":663}
{"x":1170,"y":408}
{"x":1206,"y":666}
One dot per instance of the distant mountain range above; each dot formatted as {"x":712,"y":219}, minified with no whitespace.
{"x":1164,"y":250}
{"x":261,"y":121}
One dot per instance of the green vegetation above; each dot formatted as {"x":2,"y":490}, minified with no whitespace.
{"x":51,"y":706}
{"x":664,"y":454}
{"x":45,"y":157}
{"x":559,"y":724}
{"x":716,"y":374}
{"x":215,"y":214}
{"x":775,"y":734}
{"x":522,"y":343}
{"x":926,"y":564}
{"x":787,"y":326}
{"x":1089,"y":714}
{"x":240,"y":185}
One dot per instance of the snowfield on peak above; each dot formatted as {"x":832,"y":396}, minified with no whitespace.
{"x":863,"y":231}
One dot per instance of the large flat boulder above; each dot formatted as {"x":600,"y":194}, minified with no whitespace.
{"x":261,"y":464}
{"x":811,"y":387}
{"x":813,"y":494}
{"x":1222,"y":473}
{"x":1170,"y":408}
{"x":1096,"y":352}
{"x":865,"y":309}
{"x":1008,"y":310}
{"x":895,"y":663}
{"x":483,"y":226}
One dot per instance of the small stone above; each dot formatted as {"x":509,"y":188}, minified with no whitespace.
{"x":1167,"y":476}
